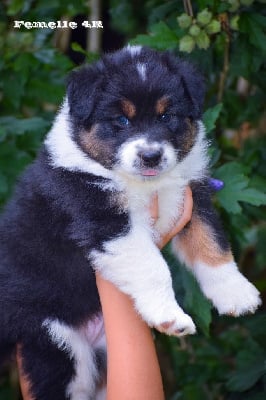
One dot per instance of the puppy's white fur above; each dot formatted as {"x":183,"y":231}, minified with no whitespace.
{"x":76,"y":344}
{"x":134,"y":50}
{"x":133,"y":262}
{"x":142,"y":70}
{"x":229,"y":291}
{"x":135,"y":265}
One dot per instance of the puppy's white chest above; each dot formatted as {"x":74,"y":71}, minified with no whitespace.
{"x":170,"y":206}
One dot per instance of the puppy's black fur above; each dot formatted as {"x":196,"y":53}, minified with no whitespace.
{"x":128,"y":122}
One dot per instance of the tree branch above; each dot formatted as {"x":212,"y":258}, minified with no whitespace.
{"x":225,"y":70}
{"x":188,"y":7}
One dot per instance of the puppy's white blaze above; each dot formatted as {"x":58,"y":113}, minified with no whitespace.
{"x":229,"y":291}
{"x":75,"y":343}
{"x":65,"y":153}
{"x":134,"y":50}
{"x":142,"y":70}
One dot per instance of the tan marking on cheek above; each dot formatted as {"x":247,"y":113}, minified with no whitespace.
{"x":190,"y":136}
{"x":89,"y":142}
{"x":98,"y":150}
{"x":197,"y":243}
{"x":161,"y":105}
{"x":128,"y":108}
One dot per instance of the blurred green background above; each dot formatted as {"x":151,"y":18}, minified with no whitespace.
{"x":227,"y":40}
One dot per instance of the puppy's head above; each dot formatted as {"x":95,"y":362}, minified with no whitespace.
{"x":136,"y":111}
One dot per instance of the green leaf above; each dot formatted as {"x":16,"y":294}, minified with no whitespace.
{"x":254,"y":25}
{"x":261,"y":250}
{"x":45,"y":56}
{"x":257,"y":323}
{"x":91,"y":57}
{"x":160,"y":37}
{"x":251,"y":367}
{"x":160,"y":13}
{"x":122,"y":16}
{"x":77,"y":47}
{"x":257,"y":37}
{"x":210,"y":117}
{"x":13,"y":88}
{"x":214,"y":154}
{"x":195,"y":302}
{"x":236,"y":188}
{"x":18,"y":126}
{"x":14,"y":7}
{"x":193,"y":391}
{"x":253,"y":196}
{"x":3,"y":184}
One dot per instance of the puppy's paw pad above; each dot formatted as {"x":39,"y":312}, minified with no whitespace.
{"x":178,"y":327}
{"x":166,"y":325}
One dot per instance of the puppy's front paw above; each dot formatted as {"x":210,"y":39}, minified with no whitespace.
{"x":230,"y":292}
{"x":166,"y":316}
{"x":179,"y":324}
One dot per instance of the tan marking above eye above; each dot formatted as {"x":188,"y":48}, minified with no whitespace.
{"x":161,"y":105}
{"x":128,"y":108}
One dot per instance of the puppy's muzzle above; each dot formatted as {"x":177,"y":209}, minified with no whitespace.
{"x":150,"y":158}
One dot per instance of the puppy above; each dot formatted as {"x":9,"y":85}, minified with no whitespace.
{"x":130,"y":126}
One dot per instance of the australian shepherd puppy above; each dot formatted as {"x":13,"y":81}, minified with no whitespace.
{"x":130,"y":126}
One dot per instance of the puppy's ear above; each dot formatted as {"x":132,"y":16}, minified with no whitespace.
{"x":82,"y":87}
{"x":192,"y":81}
{"x":194,"y":86}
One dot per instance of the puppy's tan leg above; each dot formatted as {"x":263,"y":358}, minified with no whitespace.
{"x":197,"y":244}
{"x":203,"y":247}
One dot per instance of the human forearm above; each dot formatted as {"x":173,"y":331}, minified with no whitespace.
{"x":132,"y":371}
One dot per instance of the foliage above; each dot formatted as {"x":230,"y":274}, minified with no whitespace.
{"x":226,"y":39}
{"x":32,"y":82}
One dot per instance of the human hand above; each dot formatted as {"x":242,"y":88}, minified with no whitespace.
{"x":24,"y":382}
{"x":182,"y":221}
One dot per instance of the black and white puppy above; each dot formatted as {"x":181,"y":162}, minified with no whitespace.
{"x":129,"y":126}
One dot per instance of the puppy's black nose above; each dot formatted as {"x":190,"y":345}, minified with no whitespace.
{"x":150,"y":157}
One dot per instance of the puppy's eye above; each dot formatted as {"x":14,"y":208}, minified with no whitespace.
{"x":164,"y":117}
{"x":122,"y":120}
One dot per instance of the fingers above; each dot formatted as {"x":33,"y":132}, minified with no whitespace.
{"x":182,"y":221}
{"x":154,"y":208}
{"x":187,"y":212}
{"x":24,"y":383}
